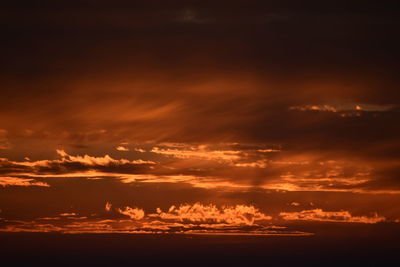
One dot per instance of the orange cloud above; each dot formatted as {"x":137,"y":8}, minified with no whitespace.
{"x":133,"y":213}
{"x":276,"y":171}
{"x":235,"y":215}
{"x":330,"y":216}
{"x":152,"y":227}
{"x":185,"y":219}
{"x":69,"y":164}
{"x":122,"y":148}
{"x":108,"y":206}
{"x":13,"y":181}
{"x":200,"y":152}
{"x":102,"y":161}
{"x":195,"y":181}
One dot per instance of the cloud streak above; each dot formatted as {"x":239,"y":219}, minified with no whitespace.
{"x":330,"y":216}
{"x":13,"y":181}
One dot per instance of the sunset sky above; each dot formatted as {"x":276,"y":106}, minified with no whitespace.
{"x":239,"y":118}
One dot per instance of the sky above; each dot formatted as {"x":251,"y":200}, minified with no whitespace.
{"x":226,"y":118}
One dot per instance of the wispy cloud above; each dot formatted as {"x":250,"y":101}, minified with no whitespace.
{"x":233,"y":166}
{"x":330,"y":216}
{"x":101,"y":161}
{"x":70,"y":164}
{"x":14,"y":181}
{"x":201,"y":152}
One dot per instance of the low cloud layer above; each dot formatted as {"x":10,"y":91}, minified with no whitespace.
{"x":194,"y":218}
{"x":184,"y":219}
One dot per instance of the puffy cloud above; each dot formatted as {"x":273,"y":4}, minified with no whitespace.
{"x":14,"y":181}
{"x":99,"y":161}
{"x":108,"y":206}
{"x":122,"y":148}
{"x":330,"y":216}
{"x":133,"y":213}
{"x":234,"y":215}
